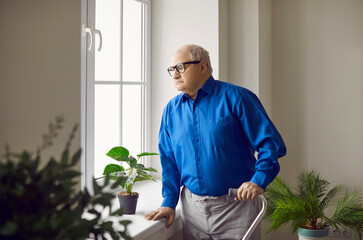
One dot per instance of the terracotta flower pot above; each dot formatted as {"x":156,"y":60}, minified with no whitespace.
{"x":128,"y":202}
{"x":305,"y":234}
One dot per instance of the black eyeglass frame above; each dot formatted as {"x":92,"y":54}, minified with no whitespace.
{"x":173,"y":68}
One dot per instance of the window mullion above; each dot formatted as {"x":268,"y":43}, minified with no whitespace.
{"x":121,"y":65}
{"x":146,"y":74}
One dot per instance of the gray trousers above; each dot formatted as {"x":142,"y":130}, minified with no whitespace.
{"x":206,"y":217}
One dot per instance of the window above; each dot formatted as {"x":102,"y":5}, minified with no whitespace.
{"x":118,"y":82}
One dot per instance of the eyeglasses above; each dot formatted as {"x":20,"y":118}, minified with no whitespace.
{"x":180,"y":67}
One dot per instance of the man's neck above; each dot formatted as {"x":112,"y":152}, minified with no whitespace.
{"x":193,"y":95}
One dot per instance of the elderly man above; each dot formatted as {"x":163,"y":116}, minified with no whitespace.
{"x":207,"y":142}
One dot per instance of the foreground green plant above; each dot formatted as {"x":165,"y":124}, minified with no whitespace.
{"x":136,"y":172}
{"x":43,"y":203}
{"x":305,"y":208}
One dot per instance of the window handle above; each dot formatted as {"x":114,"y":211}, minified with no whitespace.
{"x":88,"y":31}
{"x":98,"y":32}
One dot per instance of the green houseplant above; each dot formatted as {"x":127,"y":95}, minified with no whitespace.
{"x":305,"y":208}
{"x":42,"y":201}
{"x":135,"y":172}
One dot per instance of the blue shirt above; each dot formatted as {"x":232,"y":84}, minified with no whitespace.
{"x":208,"y":145}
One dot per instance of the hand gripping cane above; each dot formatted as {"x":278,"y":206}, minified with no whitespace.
{"x":233,"y":193}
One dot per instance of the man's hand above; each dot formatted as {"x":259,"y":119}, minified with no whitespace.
{"x":248,"y":191}
{"x":163,"y":212}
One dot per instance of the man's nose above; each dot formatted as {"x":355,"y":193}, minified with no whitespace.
{"x":176,"y":75}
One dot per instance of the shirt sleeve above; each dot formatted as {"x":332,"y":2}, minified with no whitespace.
{"x":263,"y":136}
{"x":170,"y":173}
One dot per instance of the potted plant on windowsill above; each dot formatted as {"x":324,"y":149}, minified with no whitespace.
{"x":304,"y":209}
{"x":135,"y":172}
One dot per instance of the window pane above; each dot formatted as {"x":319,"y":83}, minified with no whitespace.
{"x":107,"y":124}
{"x":131,"y":118}
{"x":107,"y":62}
{"x":131,"y":64}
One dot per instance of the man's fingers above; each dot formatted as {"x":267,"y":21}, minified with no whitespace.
{"x":244,"y":194}
{"x":239,"y":194}
{"x":248,"y":191}
{"x":158,"y":216}
{"x":163,"y":212}
{"x":170,"y":220}
{"x":150,"y":215}
{"x":250,"y":195}
{"x":254,"y":196}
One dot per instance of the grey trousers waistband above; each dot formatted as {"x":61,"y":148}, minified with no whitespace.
{"x":205,"y":198}
{"x":208,"y":217}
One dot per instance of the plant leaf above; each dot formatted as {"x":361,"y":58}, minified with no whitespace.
{"x":132,"y":162}
{"x":330,"y":195}
{"x":125,"y":222}
{"x":139,"y":166}
{"x":119,"y":177}
{"x":131,"y":178}
{"x":65,"y":155}
{"x":117,"y":212}
{"x":140,"y":178}
{"x":96,"y":187}
{"x":147,"y":176}
{"x":76,"y":157}
{"x":150,"y":169}
{"x":350,"y":199}
{"x":119,"y":153}
{"x":113,"y":168}
{"x":147,"y":154}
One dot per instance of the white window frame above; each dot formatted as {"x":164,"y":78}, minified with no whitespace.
{"x":88,"y":85}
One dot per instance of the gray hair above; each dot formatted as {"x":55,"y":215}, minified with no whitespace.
{"x":197,"y":53}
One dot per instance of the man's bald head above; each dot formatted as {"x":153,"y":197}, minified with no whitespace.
{"x":196,"y":53}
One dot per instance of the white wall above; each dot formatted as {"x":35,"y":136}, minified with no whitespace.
{"x":243,"y":50}
{"x":318,"y":83}
{"x":317,"y":62}
{"x":175,"y":23}
{"x":264,"y":54}
{"x":39,"y":70}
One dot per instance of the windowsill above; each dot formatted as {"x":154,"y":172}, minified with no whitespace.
{"x":149,"y":199}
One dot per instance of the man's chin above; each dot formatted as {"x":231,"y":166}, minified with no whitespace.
{"x":179,"y":87}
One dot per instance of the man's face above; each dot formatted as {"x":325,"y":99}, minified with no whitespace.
{"x":188,"y":81}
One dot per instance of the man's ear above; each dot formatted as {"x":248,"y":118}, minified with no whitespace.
{"x":204,"y":66}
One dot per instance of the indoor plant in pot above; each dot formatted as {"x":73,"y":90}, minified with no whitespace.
{"x":305,"y":208}
{"x":135,"y":172}
{"x":40,"y":197}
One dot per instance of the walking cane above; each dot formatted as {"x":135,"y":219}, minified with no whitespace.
{"x":233,"y":193}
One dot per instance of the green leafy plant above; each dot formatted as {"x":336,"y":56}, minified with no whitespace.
{"x":43,"y":203}
{"x":306,"y":207}
{"x":135,"y":172}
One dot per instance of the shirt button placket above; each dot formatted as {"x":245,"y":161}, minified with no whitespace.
{"x":197,"y":145}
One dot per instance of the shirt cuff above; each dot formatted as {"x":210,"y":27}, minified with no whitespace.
{"x":261,"y":179}
{"x":170,"y":202}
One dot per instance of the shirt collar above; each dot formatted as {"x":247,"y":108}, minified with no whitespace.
{"x":207,"y":87}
